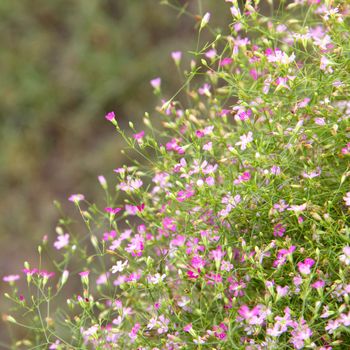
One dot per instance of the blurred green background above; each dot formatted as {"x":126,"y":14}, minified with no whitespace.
{"x":64,"y":64}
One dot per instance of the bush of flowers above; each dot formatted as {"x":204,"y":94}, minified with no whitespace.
{"x":233,"y":232}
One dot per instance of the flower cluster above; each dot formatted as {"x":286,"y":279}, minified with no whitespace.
{"x":235,"y":234}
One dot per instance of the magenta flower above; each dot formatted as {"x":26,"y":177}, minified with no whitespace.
{"x":112,"y":210}
{"x":169,"y":224}
{"x":183,"y":195}
{"x":225,"y":61}
{"x":110,"y":116}
{"x":279,"y":230}
{"x":254,"y":74}
{"x":305,"y":267}
{"x":134,"y":331}
{"x":139,"y":136}
{"x":62,"y":241}
{"x":197,"y":262}
{"x":84,"y":273}
{"x":242,"y":178}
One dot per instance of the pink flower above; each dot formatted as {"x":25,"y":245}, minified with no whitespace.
{"x":109,"y":235}
{"x":155,"y":83}
{"x":205,"y":89}
{"x":279,"y":230}
{"x":55,"y":345}
{"x":254,"y":74}
{"x":84,"y":273}
{"x":176,"y":56}
{"x":112,"y":210}
{"x":11,"y":278}
{"x":110,"y":116}
{"x":305,"y":267}
{"x":139,"y":135}
{"x":245,"y":140}
{"x":210,"y":53}
{"x":242,"y":178}
{"x":174,"y":146}
{"x":76,"y":198}
{"x":62,"y":241}
{"x":347,"y":199}
{"x":136,"y":246}
{"x":345,"y":258}
{"x":297,"y":208}
{"x":208,"y":146}
{"x":183,"y":195}
{"x":169,"y":224}
{"x":282,"y":291}
{"x":318,"y":284}
{"x":134,"y":331}
{"x":130,"y":184}
{"x":300,"y":333}
{"x":217,"y":254}
{"x":346,"y":150}
{"x":102,"y":181}
{"x":225,"y":61}
{"x":188,"y":327}
{"x":276,"y":170}
{"x":131,"y":209}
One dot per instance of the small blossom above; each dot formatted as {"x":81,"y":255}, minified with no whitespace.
{"x":305,"y":267}
{"x":155,"y":83}
{"x":205,"y":20}
{"x":110,"y":116}
{"x":120,"y":266}
{"x":11,"y":278}
{"x":62,"y":241}
{"x":345,"y":258}
{"x":347,"y":199}
{"x":139,"y":136}
{"x":112,"y":210}
{"x":245,"y":140}
{"x":176,"y":56}
{"x":76,"y":198}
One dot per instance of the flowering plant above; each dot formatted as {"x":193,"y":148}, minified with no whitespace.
{"x":234,"y":233}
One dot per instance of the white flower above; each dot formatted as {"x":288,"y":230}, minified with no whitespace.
{"x":345,"y":258}
{"x":119,"y":267}
{"x":157,"y":278}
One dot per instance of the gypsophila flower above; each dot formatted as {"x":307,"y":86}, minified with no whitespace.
{"x":62,"y":241}
{"x":245,"y":140}
{"x":345,"y":258}
{"x":120,"y":266}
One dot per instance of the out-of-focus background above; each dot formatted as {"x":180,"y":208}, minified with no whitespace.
{"x":63,"y":65}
